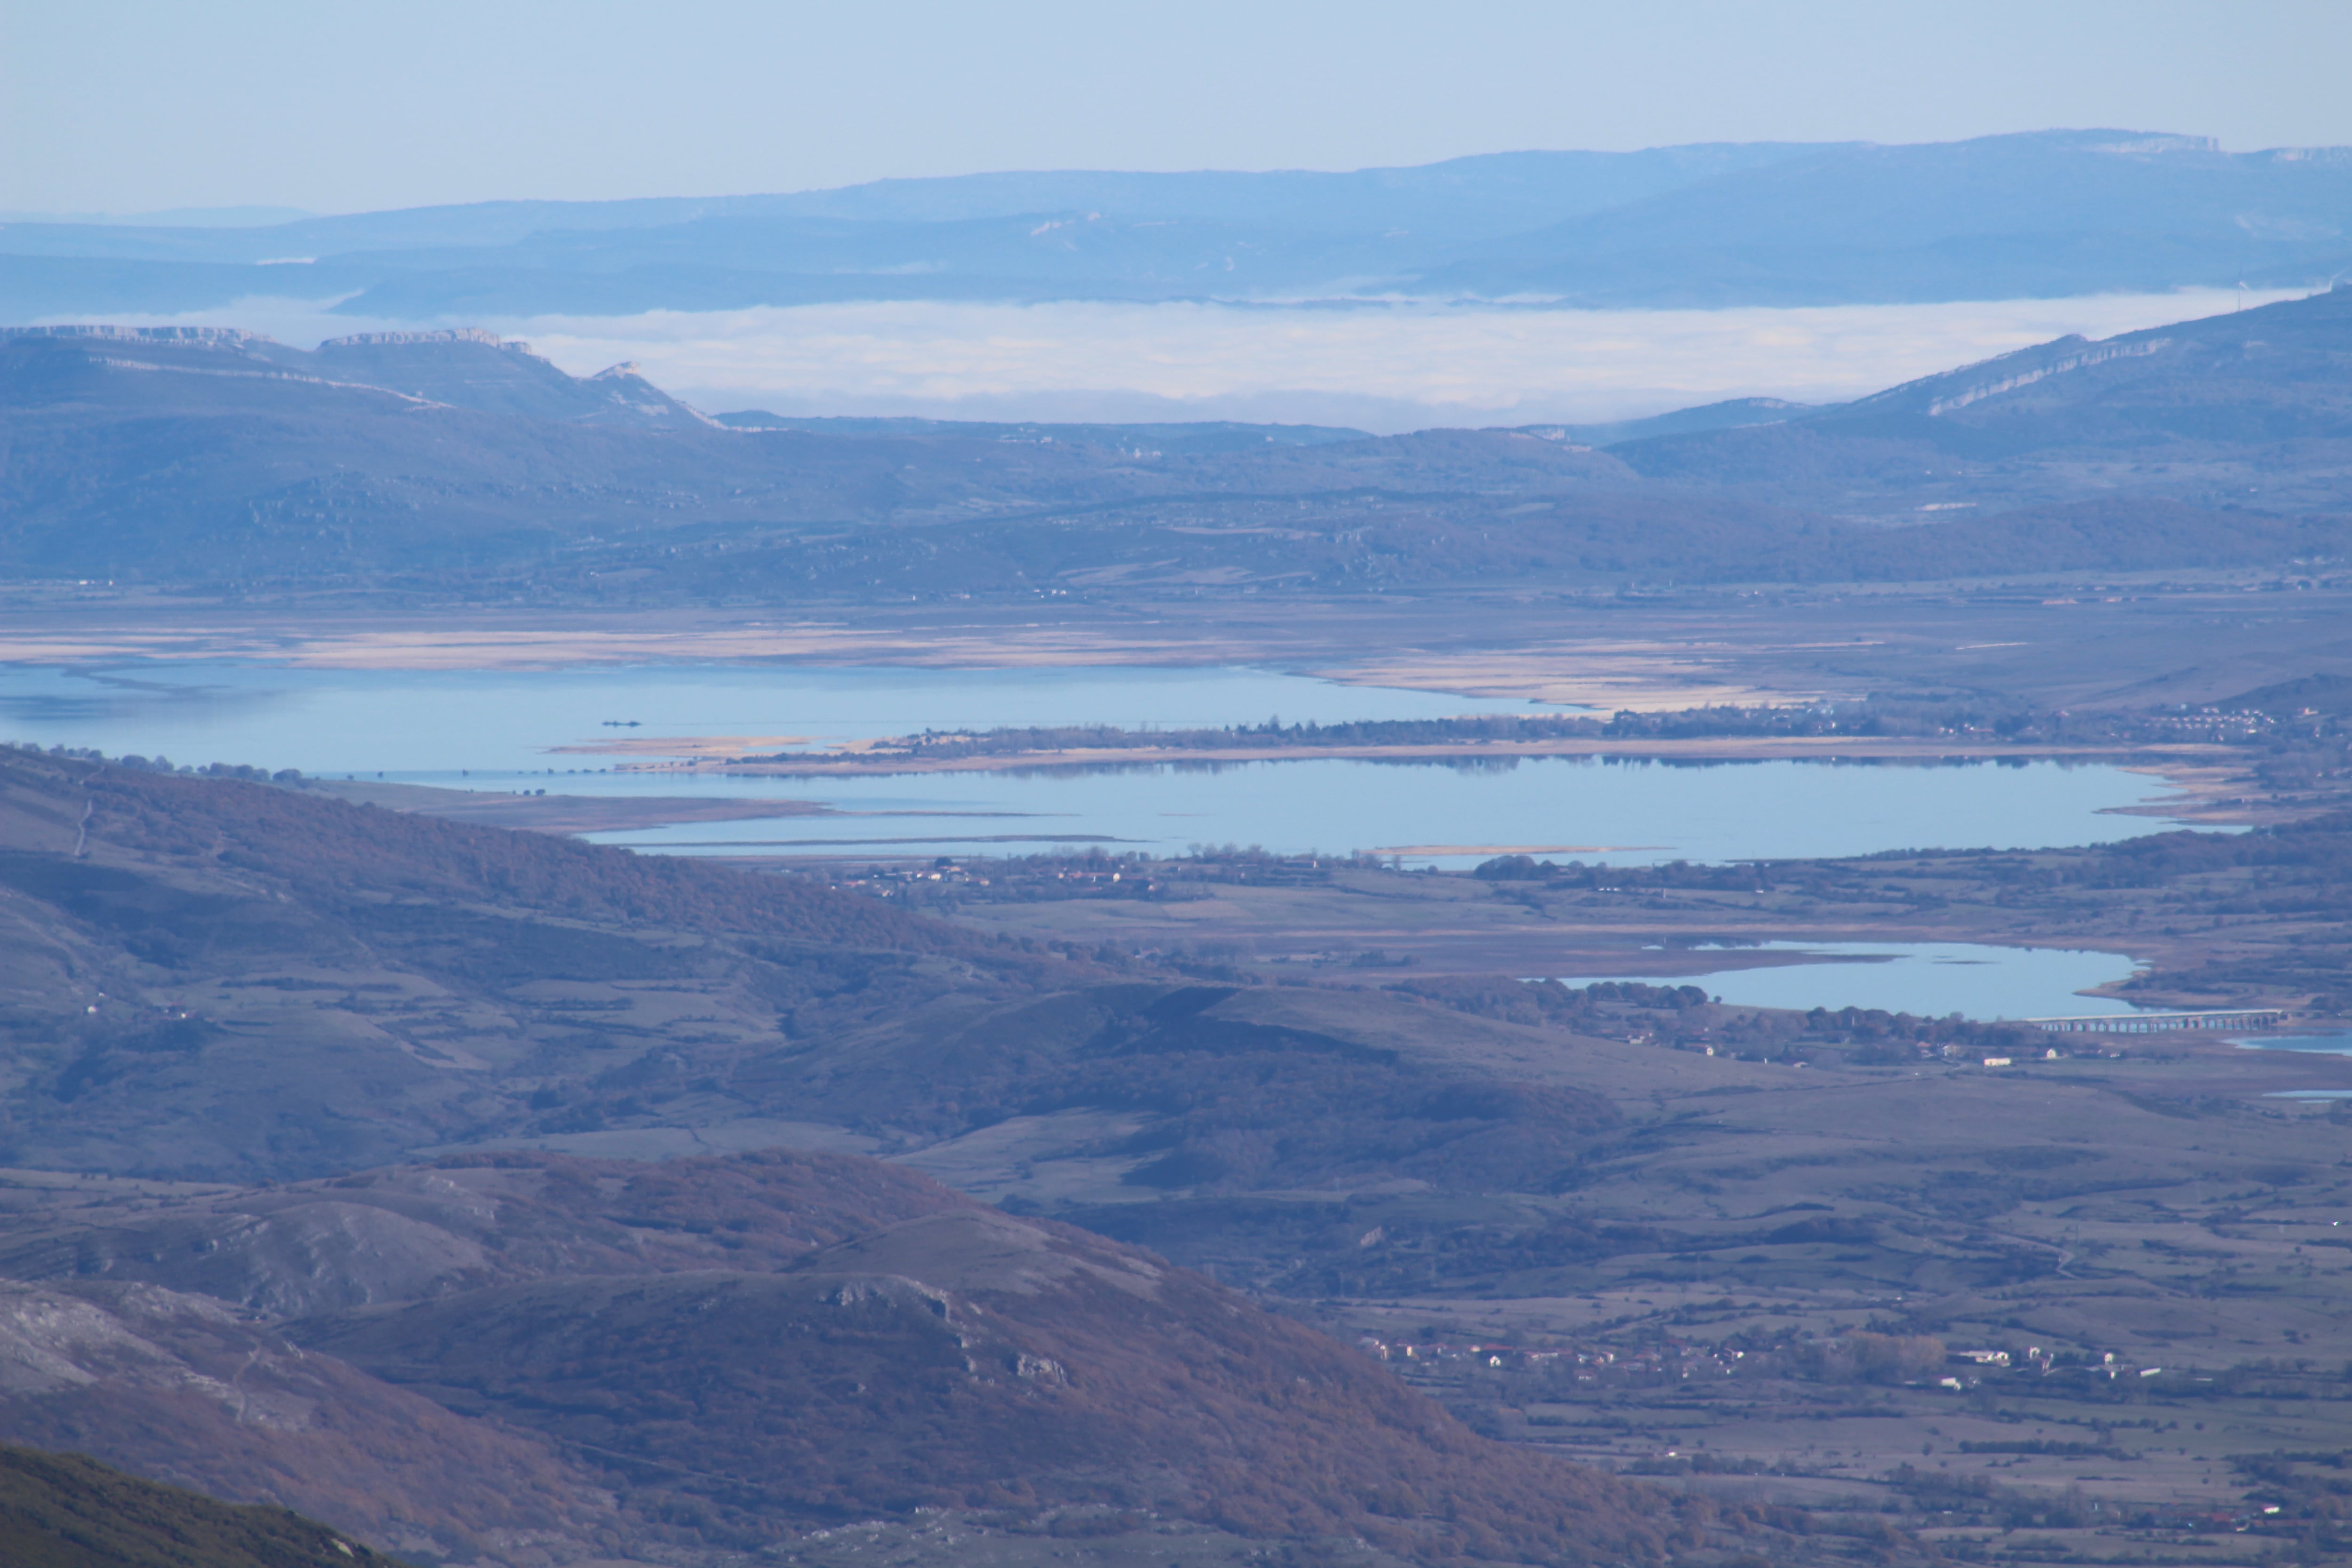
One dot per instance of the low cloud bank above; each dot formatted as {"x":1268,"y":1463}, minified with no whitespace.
{"x":1381,"y":367}
{"x":1386,"y":368}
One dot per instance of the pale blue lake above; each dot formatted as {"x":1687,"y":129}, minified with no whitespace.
{"x":409,"y":725}
{"x":2335,"y":1044}
{"x":1624,"y":812}
{"x":1928,"y":979}
{"x":504,"y":730}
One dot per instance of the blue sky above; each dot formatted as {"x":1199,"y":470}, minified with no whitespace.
{"x":137,"y":105}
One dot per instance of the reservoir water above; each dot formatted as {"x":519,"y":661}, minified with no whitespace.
{"x":410,"y":724}
{"x":1928,"y":979}
{"x":509,"y":730}
{"x":1624,"y":812}
{"x":2334,"y":1044}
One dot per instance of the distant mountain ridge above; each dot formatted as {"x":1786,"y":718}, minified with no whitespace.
{"x":2252,"y":407}
{"x":2043,"y":214}
{"x":455,"y":463}
{"x":441,"y":367}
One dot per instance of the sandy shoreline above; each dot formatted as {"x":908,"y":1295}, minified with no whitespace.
{"x":560,"y":812}
{"x":1638,"y":666}
{"x":1602,"y":652}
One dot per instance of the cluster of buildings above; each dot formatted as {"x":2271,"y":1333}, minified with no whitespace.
{"x":1672,"y":1358}
{"x":1683,"y":1359}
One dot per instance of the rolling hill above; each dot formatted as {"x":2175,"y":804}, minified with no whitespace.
{"x":159,"y":978}
{"x":2251,"y":410}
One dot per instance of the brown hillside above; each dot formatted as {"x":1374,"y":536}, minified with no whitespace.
{"x":177,"y":1388}
{"x":965,"y":1358}
{"x":745,"y":1348}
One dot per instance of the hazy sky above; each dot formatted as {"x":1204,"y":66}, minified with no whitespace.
{"x":344,"y":105}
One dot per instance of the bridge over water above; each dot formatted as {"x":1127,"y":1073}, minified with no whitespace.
{"x":2152,"y":1023}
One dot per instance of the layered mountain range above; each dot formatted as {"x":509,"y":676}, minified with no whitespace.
{"x":2043,"y":214}
{"x":454,"y":463}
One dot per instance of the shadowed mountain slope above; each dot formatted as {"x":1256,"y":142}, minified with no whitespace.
{"x":63,"y":1511}
{"x":180,"y":1388}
